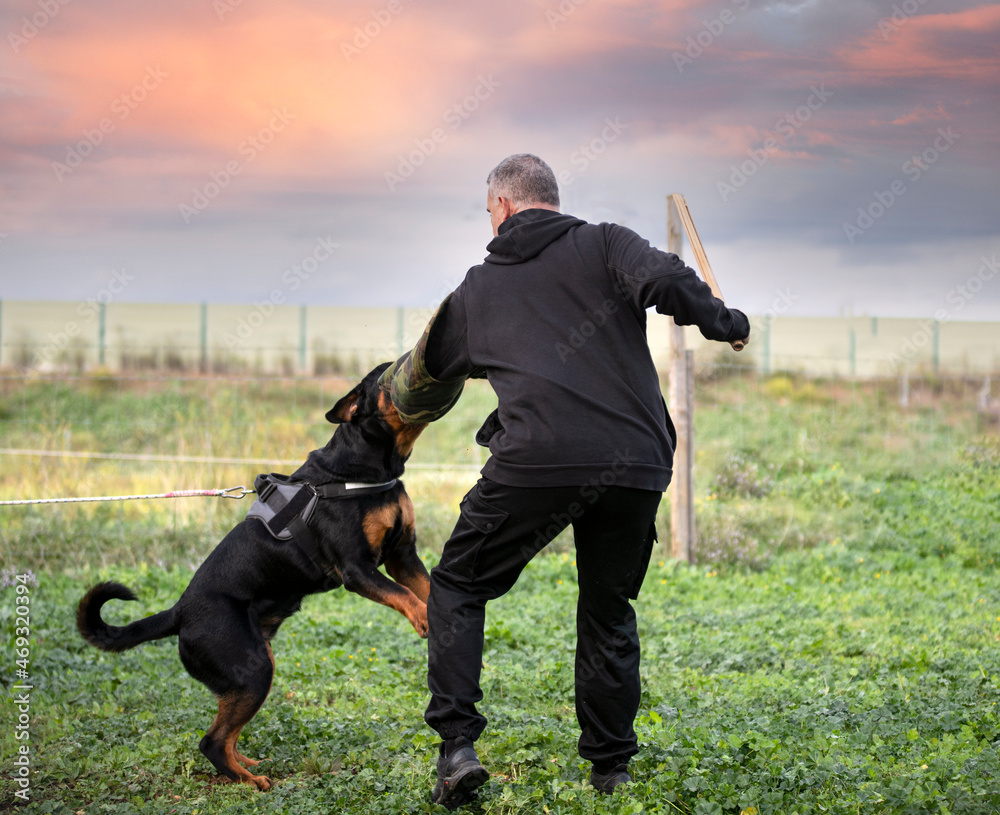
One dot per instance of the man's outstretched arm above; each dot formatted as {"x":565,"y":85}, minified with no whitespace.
{"x":650,"y":277}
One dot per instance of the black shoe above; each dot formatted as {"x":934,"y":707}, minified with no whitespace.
{"x":606,"y":782}
{"x":460,"y":775}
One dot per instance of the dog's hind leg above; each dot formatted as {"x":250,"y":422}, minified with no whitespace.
{"x":238,"y":667}
{"x":242,"y":759}
{"x":249,"y":762}
{"x":219,"y":743}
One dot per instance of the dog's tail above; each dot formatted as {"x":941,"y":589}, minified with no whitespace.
{"x":120,"y":638}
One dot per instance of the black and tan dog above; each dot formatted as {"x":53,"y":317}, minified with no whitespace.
{"x":251,"y":581}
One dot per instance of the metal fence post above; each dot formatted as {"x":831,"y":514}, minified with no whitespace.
{"x":766,"y":346}
{"x":101,"y":326}
{"x":302,"y":338}
{"x":937,"y":346}
{"x":853,"y":351}
{"x":204,"y":338}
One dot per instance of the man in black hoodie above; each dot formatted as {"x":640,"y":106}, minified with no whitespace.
{"x":556,"y":317}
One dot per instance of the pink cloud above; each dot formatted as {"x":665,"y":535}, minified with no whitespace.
{"x":921,"y":114}
{"x":203,"y":87}
{"x":930,"y":45}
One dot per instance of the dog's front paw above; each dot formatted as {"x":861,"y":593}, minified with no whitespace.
{"x":419,"y":620}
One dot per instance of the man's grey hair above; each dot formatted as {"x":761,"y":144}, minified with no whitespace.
{"x":524,"y":179}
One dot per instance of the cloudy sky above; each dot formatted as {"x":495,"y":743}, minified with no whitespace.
{"x":838,"y":156}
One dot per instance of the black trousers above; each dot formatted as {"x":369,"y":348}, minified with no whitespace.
{"x":499,"y":530}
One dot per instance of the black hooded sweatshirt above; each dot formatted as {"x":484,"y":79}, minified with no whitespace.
{"x":557,"y":316}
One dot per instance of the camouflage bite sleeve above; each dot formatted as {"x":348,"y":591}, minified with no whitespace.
{"x":417,"y":396}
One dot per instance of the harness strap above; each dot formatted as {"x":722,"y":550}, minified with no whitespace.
{"x":292,"y":509}
{"x":306,"y":541}
{"x":290,"y":517}
{"x":350,"y":489}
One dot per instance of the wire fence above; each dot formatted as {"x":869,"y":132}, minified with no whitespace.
{"x":109,"y":434}
{"x":264,"y":339}
{"x":140,"y":421}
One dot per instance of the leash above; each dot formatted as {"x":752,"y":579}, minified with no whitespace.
{"x":324,"y":491}
{"x":231,"y":492}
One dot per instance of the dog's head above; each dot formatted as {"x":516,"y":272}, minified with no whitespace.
{"x":368,"y":402}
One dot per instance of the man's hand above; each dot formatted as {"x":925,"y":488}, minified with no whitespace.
{"x":739,"y":345}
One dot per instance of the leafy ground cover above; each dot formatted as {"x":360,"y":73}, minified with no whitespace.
{"x":838,"y":680}
{"x":836,"y":649}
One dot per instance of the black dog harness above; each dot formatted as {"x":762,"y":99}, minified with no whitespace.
{"x":285,"y":507}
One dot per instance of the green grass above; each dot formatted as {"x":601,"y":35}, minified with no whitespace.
{"x":836,"y":649}
{"x":272,"y":422}
{"x":792,"y":430}
{"x":840,"y":680}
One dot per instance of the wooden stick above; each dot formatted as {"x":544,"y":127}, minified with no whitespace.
{"x":699,"y":250}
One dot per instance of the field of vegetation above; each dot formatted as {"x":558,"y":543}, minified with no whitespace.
{"x":834,"y":648}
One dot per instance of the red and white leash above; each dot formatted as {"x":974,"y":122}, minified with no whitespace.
{"x":231,"y":492}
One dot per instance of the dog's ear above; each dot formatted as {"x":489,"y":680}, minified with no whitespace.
{"x":345,"y":410}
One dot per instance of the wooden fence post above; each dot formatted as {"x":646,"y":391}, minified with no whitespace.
{"x":681,"y":397}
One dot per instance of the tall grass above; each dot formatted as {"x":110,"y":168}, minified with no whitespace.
{"x":782,"y":430}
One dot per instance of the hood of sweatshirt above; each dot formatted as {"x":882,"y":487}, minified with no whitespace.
{"x":525,"y":234}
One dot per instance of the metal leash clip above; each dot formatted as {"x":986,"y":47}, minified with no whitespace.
{"x":236,"y":492}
